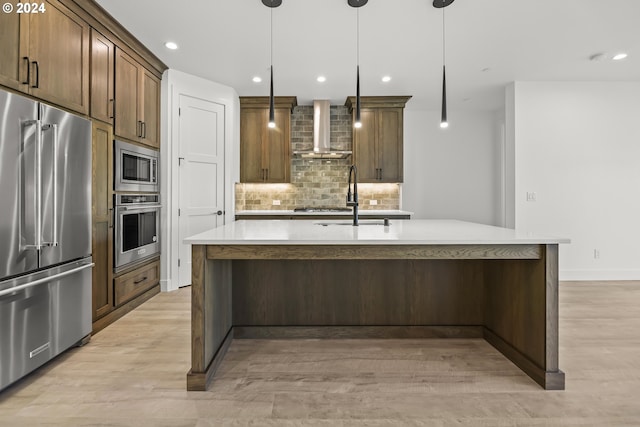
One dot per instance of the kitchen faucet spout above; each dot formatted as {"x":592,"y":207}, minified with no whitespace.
{"x":352,"y":198}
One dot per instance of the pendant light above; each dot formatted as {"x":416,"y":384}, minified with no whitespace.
{"x":441,"y":4}
{"x":272,"y":111}
{"x":357,"y":4}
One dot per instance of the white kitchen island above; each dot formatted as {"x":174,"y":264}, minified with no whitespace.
{"x":418,"y":278}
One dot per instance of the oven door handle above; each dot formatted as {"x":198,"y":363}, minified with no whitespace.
{"x":139,"y":208}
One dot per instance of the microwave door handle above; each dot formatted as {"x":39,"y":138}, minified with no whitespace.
{"x":154,"y":165}
{"x":54,"y":233}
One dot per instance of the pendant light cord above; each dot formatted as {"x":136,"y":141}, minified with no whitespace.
{"x":358,"y":36}
{"x":271,"y":40}
{"x":443,"y":37}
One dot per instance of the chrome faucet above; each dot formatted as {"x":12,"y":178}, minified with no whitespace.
{"x":352,"y":198}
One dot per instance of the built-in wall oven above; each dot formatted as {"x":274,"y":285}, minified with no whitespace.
{"x":137,"y":228}
{"x":136,"y":168}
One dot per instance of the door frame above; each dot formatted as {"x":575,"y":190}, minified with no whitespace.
{"x":174,"y":84}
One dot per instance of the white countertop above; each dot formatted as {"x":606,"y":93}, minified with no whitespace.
{"x":400,"y":232}
{"x":361,"y":212}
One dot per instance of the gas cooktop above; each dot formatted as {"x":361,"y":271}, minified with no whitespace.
{"x":322,"y":209}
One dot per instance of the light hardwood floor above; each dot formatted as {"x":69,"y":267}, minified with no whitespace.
{"x":133,"y":374}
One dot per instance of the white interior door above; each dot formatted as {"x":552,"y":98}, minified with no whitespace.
{"x":201,"y":173}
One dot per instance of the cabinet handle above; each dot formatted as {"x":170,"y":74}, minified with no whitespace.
{"x":111,"y":213}
{"x":26,"y":58}
{"x":140,"y":281}
{"x":139,"y":129}
{"x":113,"y":108}
{"x":144,"y":129}
{"x":37,"y":85}
{"x":266,"y":174}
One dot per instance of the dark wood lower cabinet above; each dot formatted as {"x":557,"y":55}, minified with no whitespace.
{"x":128,"y":290}
{"x":102,"y":218}
{"x":132,"y":284}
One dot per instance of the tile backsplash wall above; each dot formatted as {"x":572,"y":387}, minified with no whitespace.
{"x":316,"y":182}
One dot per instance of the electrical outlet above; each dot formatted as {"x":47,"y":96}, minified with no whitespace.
{"x":276,"y":202}
{"x":373,"y":202}
{"x":596,"y":254}
{"x":531,"y":196}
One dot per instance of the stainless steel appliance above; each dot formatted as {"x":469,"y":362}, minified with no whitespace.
{"x":136,"y":168}
{"x":137,"y":228}
{"x":45,"y":233}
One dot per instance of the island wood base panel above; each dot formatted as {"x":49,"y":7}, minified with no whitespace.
{"x":355,"y":332}
{"x":511,"y":302}
{"x":201,"y":381}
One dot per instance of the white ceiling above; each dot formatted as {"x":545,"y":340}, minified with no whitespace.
{"x":489,"y":43}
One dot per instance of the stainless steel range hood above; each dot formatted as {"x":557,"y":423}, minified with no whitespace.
{"x":321,"y":134}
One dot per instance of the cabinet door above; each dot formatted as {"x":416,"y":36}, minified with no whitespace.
{"x":59,"y":51}
{"x":127,"y":77}
{"x":14,"y":62}
{"x":150,"y":109}
{"x":253,"y":125}
{"x":389,"y":144}
{"x":102,"y":219}
{"x":102,"y":69}
{"x":365,"y":154}
{"x":277,"y":149}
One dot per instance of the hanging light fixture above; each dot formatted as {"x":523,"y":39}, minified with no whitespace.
{"x":441,"y":4}
{"x":357,"y":4}
{"x":272,"y":111}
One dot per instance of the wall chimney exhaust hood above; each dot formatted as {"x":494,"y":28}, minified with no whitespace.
{"x":321,"y":135}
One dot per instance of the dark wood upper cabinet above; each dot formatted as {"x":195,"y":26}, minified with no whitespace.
{"x":137,"y":111}
{"x":265,"y":153}
{"x":378,"y":145}
{"x":47,"y":55}
{"x":14,"y":34}
{"x":150,"y":108}
{"x":102,"y":77}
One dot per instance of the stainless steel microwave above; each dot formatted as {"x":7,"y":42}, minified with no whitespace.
{"x":136,"y":168}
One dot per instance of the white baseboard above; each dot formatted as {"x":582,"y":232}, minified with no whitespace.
{"x":569,"y":275}
{"x":167,"y":285}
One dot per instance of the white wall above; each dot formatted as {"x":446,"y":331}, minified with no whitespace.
{"x":455,"y":172}
{"x":577,"y":146}
{"x":174,"y":84}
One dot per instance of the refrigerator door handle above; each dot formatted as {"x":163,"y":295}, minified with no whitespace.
{"x":37,"y":245}
{"x":54,"y":233}
{"x":45,"y":280}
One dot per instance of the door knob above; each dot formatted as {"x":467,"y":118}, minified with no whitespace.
{"x":219,"y":213}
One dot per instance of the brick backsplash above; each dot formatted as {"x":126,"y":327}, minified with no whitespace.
{"x":316,"y":182}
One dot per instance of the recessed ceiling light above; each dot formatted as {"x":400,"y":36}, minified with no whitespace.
{"x":257,"y":79}
{"x":321,"y":79}
{"x":386,"y":79}
{"x":619,"y":56}
{"x":171,"y":45}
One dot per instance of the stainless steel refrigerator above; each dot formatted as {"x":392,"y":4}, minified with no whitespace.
{"x":45,"y":233}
